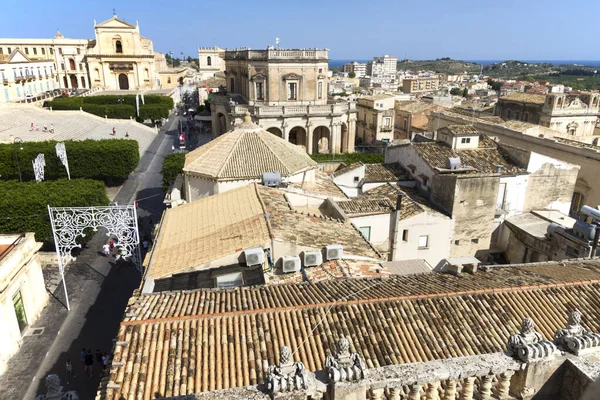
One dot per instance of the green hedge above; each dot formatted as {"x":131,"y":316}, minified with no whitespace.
{"x":366,"y":158}
{"x":23,"y":206}
{"x":111,"y":106}
{"x":172,"y":166}
{"x":108,"y":160}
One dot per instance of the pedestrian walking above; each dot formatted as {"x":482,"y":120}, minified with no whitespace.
{"x":82,"y":356}
{"x":111,"y":244}
{"x":31,"y":127}
{"x":51,"y":128}
{"x":114,"y":132}
{"x":45,"y":128}
{"x":105,"y":359}
{"x":69,"y":370}
{"x":126,"y":134}
{"x":89,"y":363}
{"x":98,"y":356}
{"x":106,"y":250}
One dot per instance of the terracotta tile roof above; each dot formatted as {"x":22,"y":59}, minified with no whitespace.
{"x":323,"y":185}
{"x":576,"y":143}
{"x":310,"y":230}
{"x":178,"y":343}
{"x":331,"y":270}
{"x":525,"y":98}
{"x":413,"y":203}
{"x":393,"y":172}
{"x":367,"y":206}
{"x":414,"y":106}
{"x":344,"y":168}
{"x":408,"y":267}
{"x":483,"y":160}
{"x":204,"y":230}
{"x":245,"y":153}
{"x":461,"y":130}
{"x":519,"y":126}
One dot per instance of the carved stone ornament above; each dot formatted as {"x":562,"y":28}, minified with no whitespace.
{"x":286,"y":376}
{"x":528,"y":345}
{"x":345,"y":366}
{"x":575,"y":338}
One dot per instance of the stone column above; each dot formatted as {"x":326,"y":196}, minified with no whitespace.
{"x":351,"y":135}
{"x":467,"y":389}
{"x":309,"y":138}
{"x":394,"y":394}
{"x":450,"y":392}
{"x":414,"y":392}
{"x":503,"y":387}
{"x":432,"y":391}
{"x":376,"y":394}
{"x":485,"y":388}
{"x":285,"y":131}
{"x":336,"y":138}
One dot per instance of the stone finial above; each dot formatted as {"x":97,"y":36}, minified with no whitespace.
{"x":528,"y":345}
{"x":575,"y":338}
{"x":247,"y":117}
{"x":287,"y":376}
{"x":345,"y":366}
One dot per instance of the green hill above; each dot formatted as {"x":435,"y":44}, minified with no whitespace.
{"x":441,"y":65}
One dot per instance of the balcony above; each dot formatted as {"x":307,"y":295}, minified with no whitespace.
{"x":386,"y":128}
{"x":19,"y":78}
{"x":292,"y":111}
{"x":5,"y":81}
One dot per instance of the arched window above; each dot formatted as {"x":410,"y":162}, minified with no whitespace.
{"x":96,"y":73}
{"x":146,"y":75}
{"x":118,"y":47}
{"x":208,"y":61}
{"x":72,"y":64}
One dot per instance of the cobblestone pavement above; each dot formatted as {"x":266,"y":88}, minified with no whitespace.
{"x":98,"y":293}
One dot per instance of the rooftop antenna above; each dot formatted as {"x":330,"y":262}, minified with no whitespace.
{"x":114,"y":12}
{"x":277,"y":43}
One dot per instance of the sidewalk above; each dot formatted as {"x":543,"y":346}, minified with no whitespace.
{"x":98,"y":294}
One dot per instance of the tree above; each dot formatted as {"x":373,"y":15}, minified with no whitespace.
{"x":465,"y":92}
{"x":351,"y":75}
{"x":456,"y":91}
{"x":172,"y":166}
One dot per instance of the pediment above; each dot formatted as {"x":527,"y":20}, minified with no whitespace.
{"x":17,"y":56}
{"x":115,"y":23}
{"x":576,"y":103}
{"x":292,"y":77}
{"x":259,"y":77}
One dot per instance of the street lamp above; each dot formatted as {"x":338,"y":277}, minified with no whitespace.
{"x":18,"y":141}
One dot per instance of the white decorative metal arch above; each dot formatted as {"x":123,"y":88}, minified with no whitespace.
{"x":69,"y":223}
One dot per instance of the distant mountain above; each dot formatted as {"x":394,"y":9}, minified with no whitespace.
{"x":441,"y":65}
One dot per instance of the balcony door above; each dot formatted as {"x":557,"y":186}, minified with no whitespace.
{"x":20,"y":311}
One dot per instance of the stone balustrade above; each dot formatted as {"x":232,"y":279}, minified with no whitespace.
{"x":281,"y":111}
{"x":277,"y":54}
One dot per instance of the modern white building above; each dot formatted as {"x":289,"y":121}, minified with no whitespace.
{"x":386,"y":65}
{"x":359,"y":69}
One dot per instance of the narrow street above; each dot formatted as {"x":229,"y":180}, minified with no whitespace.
{"x":98,"y":294}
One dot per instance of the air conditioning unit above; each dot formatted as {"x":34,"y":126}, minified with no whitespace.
{"x":290,"y":264}
{"x":334,"y":252}
{"x":254,"y":256}
{"x":313,"y":258}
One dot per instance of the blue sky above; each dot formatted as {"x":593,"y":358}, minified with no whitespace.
{"x":463,"y":29}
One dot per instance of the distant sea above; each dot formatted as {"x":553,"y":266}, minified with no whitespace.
{"x":587,"y":63}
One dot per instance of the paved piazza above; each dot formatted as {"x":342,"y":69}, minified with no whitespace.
{"x":15,"y":121}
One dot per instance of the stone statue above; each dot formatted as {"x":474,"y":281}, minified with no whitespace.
{"x":528,"y":345}
{"x":324,"y":145}
{"x":575,"y":338}
{"x":344,"y":366}
{"x":286,"y":376}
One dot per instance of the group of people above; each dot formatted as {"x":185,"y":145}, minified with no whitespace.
{"x":109,"y":247}
{"x":88,"y":360}
{"x":36,"y":128}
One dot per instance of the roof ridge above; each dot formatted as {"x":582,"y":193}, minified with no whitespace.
{"x":230,"y":153}
{"x":364,"y":301}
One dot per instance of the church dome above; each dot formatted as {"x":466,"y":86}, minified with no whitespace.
{"x":246,"y":152}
